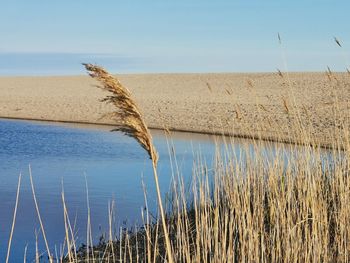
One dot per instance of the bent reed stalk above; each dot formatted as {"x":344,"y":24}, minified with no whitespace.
{"x":249,"y":206}
{"x":133,"y":125}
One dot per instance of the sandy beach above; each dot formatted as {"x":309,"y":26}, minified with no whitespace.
{"x":246,"y":105}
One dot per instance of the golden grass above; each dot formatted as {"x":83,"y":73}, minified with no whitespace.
{"x":133,"y":125}
{"x":251,"y":210}
{"x":257,"y":208}
{"x":127,"y":112}
{"x":291,"y":205}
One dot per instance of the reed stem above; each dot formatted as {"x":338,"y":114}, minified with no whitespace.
{"x":162,"y":214}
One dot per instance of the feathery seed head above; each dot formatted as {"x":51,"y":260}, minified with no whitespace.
{"x":127,"y":112}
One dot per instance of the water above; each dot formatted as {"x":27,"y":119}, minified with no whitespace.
{"x":67,"y":156}
{"x":64,"y":155}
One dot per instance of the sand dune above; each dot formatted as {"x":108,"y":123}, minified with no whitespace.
{"x":241,"y":104}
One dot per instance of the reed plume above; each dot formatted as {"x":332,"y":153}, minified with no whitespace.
{"x":337,"y":41}
{"x":131,"y":121}
{"x":132,"y":124}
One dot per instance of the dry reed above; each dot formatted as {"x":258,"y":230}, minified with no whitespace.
{"x":209,"y":87}
{"x":13,"y":220}
{"x":337,"y":41}
{"x":39,"y":216}
{"x":127,"y":112}
{"x":133,"y":125}
{"x":246,"y":207}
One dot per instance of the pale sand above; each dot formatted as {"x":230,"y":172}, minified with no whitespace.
{"x":184,"y":102}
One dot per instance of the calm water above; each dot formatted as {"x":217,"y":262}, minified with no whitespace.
{"x":114,"y":167}
{"x":113,"y":164}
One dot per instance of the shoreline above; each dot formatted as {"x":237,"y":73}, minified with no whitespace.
{"x":244,"y":105}
{"x":238,"y":136}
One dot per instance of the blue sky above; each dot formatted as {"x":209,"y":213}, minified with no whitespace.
{"x":175,"y":36}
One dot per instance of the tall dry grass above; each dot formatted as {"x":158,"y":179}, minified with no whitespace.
{"x":132,"y":124}
{"x":251,"y":206}
{"x":288,"y":205}
{"x":251,"y":209}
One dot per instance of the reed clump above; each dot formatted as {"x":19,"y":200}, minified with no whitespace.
{"x":248,"y":206}
{"x":262,"y":203}
{"x":257,"y":209}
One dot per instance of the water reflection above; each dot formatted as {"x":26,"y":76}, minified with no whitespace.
{"x":114,"y":167}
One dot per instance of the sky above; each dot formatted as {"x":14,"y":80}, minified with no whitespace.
{"x":132,"y":36}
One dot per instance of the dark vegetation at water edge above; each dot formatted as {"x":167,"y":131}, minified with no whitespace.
{"x":299,"y":214}
{"x":252,"y":209}
{"x":247,"y":206}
